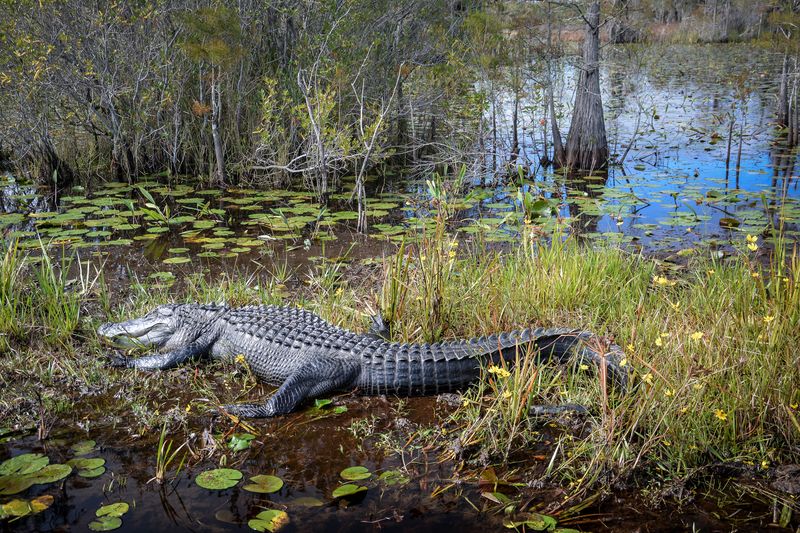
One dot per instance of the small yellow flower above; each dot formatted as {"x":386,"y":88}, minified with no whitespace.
{"x":630,"y":347}
{"x":722,"y":415}
{"x":506,"y":394}
{"x":662,"y":281}
{"x":240,"y":359}
{"x":648,"y":378}
{"x":752,"y":239}
{"x":752,"y":247}
{"x":669,"y":393}
{"x":452,"y":254}
{"x":664,"y":335}
{"x":499,"y":371}
{"x":794,"y":405}
{"x":464,"y":402}
{"x":339,"y":291}
{"x":764,"y":464}
{"x":188,"y":407}
{"x":683,"y":410}
{"x":711,"y":272}
{"x":697,"y":386}
{"x":667,"y":443}
{"x":760,"y":337}
{"x":755,"y":275}
{"x":675,"y":306}
{"x":623,"y":363}
{"x":584,"y":367}
{"x":768,"y":318}
{"x":659,"y":342}
{"x":697,"y":335}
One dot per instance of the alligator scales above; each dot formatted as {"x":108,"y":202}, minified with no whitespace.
{"x":308,"y":357}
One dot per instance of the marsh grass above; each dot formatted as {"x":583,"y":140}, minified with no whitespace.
{"x":713,"y":351}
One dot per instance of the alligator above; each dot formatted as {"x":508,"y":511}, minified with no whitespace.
{"x":308,"y":357}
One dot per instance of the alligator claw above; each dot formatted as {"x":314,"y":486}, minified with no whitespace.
{"x":116,"y":360}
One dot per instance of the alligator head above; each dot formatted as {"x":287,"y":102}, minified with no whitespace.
{"x":158,"y":328}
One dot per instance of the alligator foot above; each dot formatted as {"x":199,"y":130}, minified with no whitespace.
{"x":248,"y":410}
{"x":115,"y":360}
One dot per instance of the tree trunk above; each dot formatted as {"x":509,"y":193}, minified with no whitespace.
{"x":216,"y":108}
{"x":587,"y":147}
{"x":783,"y":94}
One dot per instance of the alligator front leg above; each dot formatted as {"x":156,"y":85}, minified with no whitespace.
{"x":317,"y":378}
{"x":160,"y":361}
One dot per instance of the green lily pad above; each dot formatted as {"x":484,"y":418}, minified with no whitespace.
{"x":533,"y":522}
{"x":218,"y":479}
{"x":177,"y":260}
{"x":26,"y":463}
{"x":348,"y":490}
{"x":355,"y":473}
{"x":105,"y":523}
{"x":393,"y":477}
{"x":269,"y":520}
{"x":20,"y":508}
{"x":88,"y":468}
{"x":264,"y":484}
{"x":240,"y":441}
{"x":84,"y":447}
{"x":50,"y":474}
{"x":307,"y":501}
{"x":16,"y":483}
{"x":178,"y":250}
{"x":114,"y":509}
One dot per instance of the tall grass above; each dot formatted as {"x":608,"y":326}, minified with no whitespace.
{"x":713,"y":350}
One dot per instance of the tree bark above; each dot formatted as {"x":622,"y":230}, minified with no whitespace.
{"x":587,"y":146}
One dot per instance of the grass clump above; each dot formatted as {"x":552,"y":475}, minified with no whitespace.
{"x":712,"y":350}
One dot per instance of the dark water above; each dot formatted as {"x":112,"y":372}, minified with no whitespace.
{"x":673,"y":192}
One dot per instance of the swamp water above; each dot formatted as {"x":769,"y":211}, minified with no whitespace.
{"x":673,"y":194}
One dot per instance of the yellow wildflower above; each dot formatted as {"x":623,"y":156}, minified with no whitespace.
{"x":662,"y":281}
{"x":188,"y":407}
{"x":697,"y":386}
{"x":755,"y":275}
{"x":669,"y":393}
{"x":659,"y":342}
{"x":240,"y":359}
{"x":768,"y":318}
{"x":684,"y":409}
{"x":752,"y":239}
{"x":697,"y":335}
{"x":499,"y":371}
{"x":339,"y":291}
{"x":667,"y":443}
{"x":648,"y":378}
{"x":752,"y":246}
{"x":464,"y":402}
{"x":764,"y":464}
{"x":630,"y":347}
{"x":452,"y":254}
{"x":711,"y":272}
{"x":722,"y":415}
{"x":664,"y":335}
{"x":623,"y":363}
{"x":794,"y":405}
{"x":506,"y":394}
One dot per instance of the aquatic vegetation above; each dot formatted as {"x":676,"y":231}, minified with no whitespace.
{"x":109,"y":517}
{"x":264,"y":484}
{"x":219,"y":478}
{"x":355,"y":473}
{"x":269,"y":520}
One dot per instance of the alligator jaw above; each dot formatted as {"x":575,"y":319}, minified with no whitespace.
{"x":129,"y":333}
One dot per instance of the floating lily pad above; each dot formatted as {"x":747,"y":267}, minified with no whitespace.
{"x":20,"y":508}
{"x":355,"y":473}
{"x":269,"y":520}
{"x":178,"y":250}
{"x":105,"y":523}
{"x":393,"y":477}
{"x":84,"y":447}
{"x":240,"y":441}
{"x":533,"y":522}
{"x":219,"y":478}
{"x":16,"y":483}
{"x":27,"y":463}
{"x":264,"y":484}
{"x":115,"y":509}
{"x":307,"y":501}
{"x":88,"y":468}
{"x":348,"y":490}
{"x":176,"y":260}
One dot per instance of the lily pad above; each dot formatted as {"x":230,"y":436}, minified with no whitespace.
{"x":20,"y":508}
{"x":177,"y":260}
{"x":26,"y":463}
{"x":218,"y":479}
{"x":393,"y":477}
{"x":348,"y":490}
{"x":307,"y":501}
{"x":105,"y":523}
{"x":88,"y":468}
{"x":355,"y":473}
{"x":240,"y":441}
{"x":264,"y":484}
{"x":269,"y":520}
{"x":115,"y":509}
{"x":84,"y":447}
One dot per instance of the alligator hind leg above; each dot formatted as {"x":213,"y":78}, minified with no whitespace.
{"x":317,"y":378}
